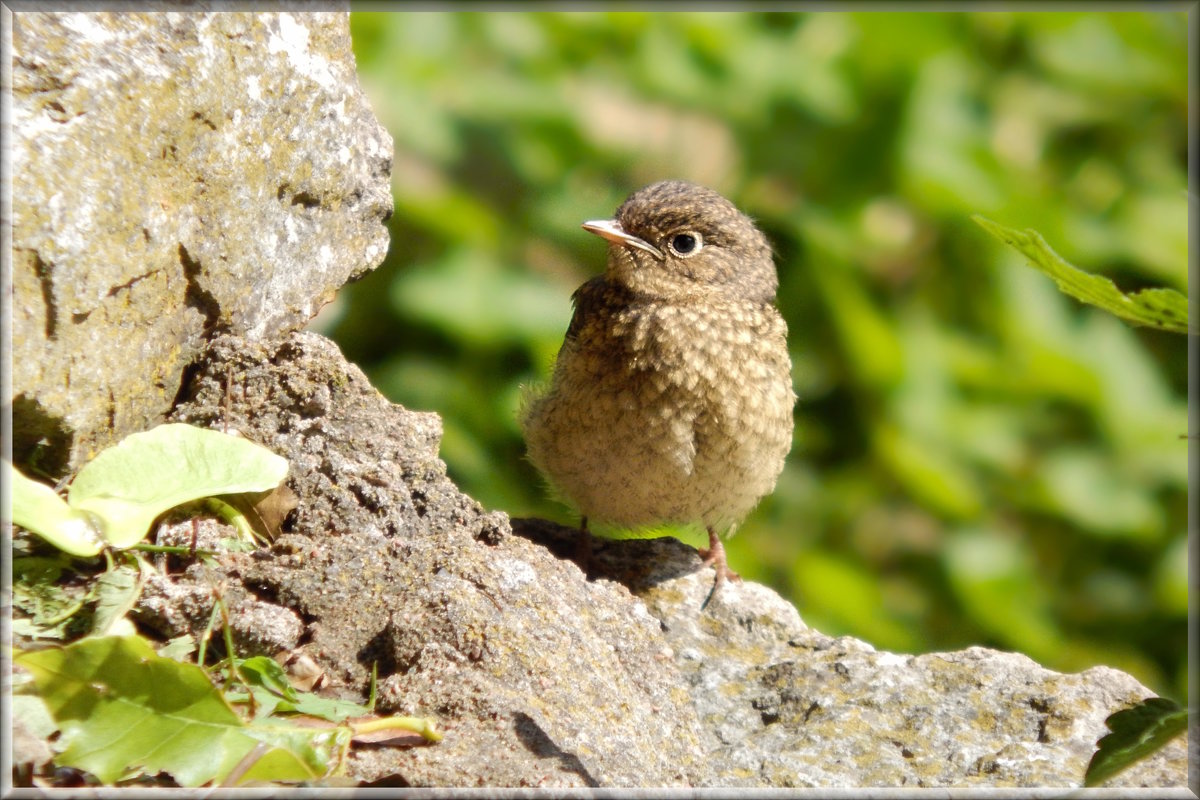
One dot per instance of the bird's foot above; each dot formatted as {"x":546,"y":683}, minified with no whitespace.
{"x":714,"y":556}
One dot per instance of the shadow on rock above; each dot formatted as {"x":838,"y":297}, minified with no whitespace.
{"x":541,"y":745}
{"x":637,"y":564}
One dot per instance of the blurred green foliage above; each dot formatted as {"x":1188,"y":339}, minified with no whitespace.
{"x":978,"y":459}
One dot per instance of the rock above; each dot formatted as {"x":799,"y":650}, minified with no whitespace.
{"x":792,"y":707}
{"x":174,"y":607}
{"x":173,"y":175}
{"x":799,"y":708}
{"x":542,"y":677}
{"x":538,"y":676}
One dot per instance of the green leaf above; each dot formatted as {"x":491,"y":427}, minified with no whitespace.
{"x":329,"y":708}
{"x":1136,"y":733}
{"x":266,"y":674}
{"x":124,"y":709}
{"x":1165,"y":309}
{"x":848,"y":596}
{"x":128,"y":485}
{"x":930,"y":473}
{"x":116,"y":592}
{"x":1085,"y":487}
{"x":872,"y":349}
{"x":179,"y":648}
{"x":293,"y":751}
{"x":990,"y":574}
{"x":43,"y":608}
{"x":38,"y":509}
{"x":482,"y":305}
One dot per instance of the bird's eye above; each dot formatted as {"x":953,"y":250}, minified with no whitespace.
{"x":686,"y":244}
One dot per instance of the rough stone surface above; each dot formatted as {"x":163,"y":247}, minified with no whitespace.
{"x":541,"y":676}
{"x":174,"y":174}
{"x":174,"y":606}
{"x":538,"y":676}
{"x":792,"y":707}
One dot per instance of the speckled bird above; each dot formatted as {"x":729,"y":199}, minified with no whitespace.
{"x":671,"y":398}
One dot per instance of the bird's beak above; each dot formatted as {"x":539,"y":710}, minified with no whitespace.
{"x":611,"y":229}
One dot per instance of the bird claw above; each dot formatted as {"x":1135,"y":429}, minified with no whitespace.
{"x":714,"y":556}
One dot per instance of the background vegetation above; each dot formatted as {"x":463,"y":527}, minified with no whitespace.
{"x":977,"y":459}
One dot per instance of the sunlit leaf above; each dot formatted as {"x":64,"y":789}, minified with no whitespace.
{"x":1161,"y":308}
{"x":1084,"y":486}
{"x":868,"y":339}
{"x":123,"y":709}
{"x":269,"y":682}
{"x":116,"y":592}
{"x":37,"y":508}
{"x":1136,"y":733}
{"x":931,"y":474}
{"x":480,"y":305}
{"x":991,"y":576}
{"x":128,"y":485}
{"x":43,"y":608}
{"x":267,"y":674}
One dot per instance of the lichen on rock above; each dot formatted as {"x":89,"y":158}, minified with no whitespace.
{"x":174,"y":175}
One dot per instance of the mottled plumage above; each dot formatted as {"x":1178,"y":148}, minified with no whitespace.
{"x":671,"y":399}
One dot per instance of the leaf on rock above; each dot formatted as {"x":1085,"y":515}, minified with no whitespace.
{"x":38,"y":508}
{"x":267,"y":674}
{"x":116,"y":593}
{"x":123,"y":709}
{"x":133,"y":482}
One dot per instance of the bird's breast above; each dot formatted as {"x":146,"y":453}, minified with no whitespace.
{"x":668,"y":411}
{"x":711,"y":369}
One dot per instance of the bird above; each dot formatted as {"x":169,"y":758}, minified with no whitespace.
{"x":671,"y":399}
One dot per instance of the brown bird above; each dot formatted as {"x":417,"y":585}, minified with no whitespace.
{"x":671,"y":398}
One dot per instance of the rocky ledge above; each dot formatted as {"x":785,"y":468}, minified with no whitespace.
{"x":544,"y":675}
